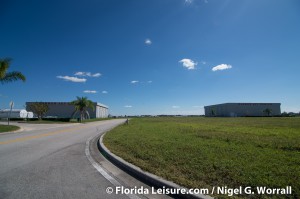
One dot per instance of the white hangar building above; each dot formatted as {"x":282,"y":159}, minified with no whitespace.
{"x":67,"y":110}
{"x":242,"y":109}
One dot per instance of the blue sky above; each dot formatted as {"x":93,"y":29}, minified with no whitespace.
{"x":152,"y":56}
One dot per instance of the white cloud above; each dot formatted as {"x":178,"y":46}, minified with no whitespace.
{"x":72,"y":79}
{"x":88,"y":74}
{"x":150,"y":82}
{"x":188,"y":1}
{"x":175,"y":106}
{"x":188,"y":63}
{"x":221,"y":67}
{"x":96,"y":75}
{"x":104,"y":92}
{"x":89,"y":91}
{"x":128,"y":106}
{"x":134,"y":81}
{"x":80,"y":74}
{"x":148,"y":42}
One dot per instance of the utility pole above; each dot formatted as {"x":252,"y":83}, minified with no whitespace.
{"x":11,"y":104}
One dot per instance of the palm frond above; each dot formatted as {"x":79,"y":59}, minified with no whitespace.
{"x":12,"y":76}
{"x":4,"y":65}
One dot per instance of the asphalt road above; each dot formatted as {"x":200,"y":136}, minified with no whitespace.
{"x":49,"y":161}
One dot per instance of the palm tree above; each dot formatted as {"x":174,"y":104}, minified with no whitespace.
{"x":5,"y":76}
{"x":81,"y":104}
{"x":267,"y":111}
{"x":213,"y":112}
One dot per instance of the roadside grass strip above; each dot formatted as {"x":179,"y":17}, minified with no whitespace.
{"x":200,"y":152}
{"x":8,"y":128}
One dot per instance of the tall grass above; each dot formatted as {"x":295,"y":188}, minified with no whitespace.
{"x":206,"y":152}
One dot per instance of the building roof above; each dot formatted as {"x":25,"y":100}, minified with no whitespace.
{"x":244,"y":103}
{"x":96,"y":103}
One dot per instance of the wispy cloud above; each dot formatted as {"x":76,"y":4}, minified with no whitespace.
{"x":88,"y":74}
{"x":188,"y":63}
{"x":89,"y":91}
{"x":221,"y":67}
{"x":134,"y":81}
{"x":96,"y":75}
{"x":72,"y":79}
{"x":175,"y":106}
{"x":104,"y":92}
{"x":148,"y":42}
{"x":128,"y":106}
{"x":198,"y":106}
{"x":3,"y":95}
{"x":191,"y":1}
{"x":149,"y":82}
{"x":188,"y":1}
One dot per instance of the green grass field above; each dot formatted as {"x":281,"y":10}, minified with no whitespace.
{"x":206,"y":152}
{"x":6,"y":128}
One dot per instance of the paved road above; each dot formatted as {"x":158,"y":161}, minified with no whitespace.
{"x":49,"y":161}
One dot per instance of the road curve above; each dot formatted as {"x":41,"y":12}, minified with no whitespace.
{"x":50,"y":162}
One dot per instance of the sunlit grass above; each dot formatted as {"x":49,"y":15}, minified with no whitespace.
{"x":6,"y":128}
{"x":206,"y":152}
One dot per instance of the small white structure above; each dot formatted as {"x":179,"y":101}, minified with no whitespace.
{"x":15,"y":113}
{"x":29,"y":114}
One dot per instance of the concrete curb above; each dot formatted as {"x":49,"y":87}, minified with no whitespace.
{"x":146,"y":177}
{"x":17,"y":131}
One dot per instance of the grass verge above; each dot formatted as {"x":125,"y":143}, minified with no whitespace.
{"x":6,"y":128}
{"x":207,"y":152}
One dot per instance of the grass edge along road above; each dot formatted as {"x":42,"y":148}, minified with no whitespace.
{"x":207,"y":152}
{"x":8,"y":128}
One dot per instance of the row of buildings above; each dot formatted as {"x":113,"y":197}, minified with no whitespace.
{"x":67,"y":110}
{"x":57,"y":110}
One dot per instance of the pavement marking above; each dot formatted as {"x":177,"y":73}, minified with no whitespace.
{"x":40,"y":135}
{"x":106,"y":175}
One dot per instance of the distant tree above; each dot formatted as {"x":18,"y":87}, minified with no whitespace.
{"x":5,"y":76}
{"x":38,"y":108}
{"x":292,"y":114}
{"x":82,"y":104}
{"x":267,"y":111}
{"x":213,"y":112}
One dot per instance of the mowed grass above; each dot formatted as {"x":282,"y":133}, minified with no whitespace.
{"x":205,"y":152}
{"x":6,"y":128}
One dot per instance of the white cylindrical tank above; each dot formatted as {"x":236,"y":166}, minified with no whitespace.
{"x":29,"y":114}
{"x":23,"y":113}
